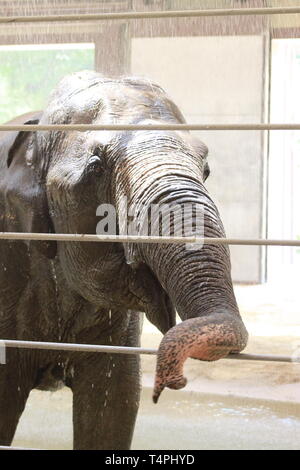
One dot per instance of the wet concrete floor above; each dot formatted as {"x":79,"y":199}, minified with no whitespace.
{"x":181,"y":420}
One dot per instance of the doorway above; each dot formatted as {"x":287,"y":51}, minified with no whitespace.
{"x":283,"y":263}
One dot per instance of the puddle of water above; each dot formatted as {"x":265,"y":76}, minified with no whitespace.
{"x":210,"y":422}
{"x":181,"y":420}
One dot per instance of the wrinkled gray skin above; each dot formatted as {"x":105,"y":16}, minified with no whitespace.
{"x":91,"y":292}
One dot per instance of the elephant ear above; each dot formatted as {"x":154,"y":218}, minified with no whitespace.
{"x":15,"y":140}
{"x":26,"y":192}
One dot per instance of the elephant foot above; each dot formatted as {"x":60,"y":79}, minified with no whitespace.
{"x":201,"y":338}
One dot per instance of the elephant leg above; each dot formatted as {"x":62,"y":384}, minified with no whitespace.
{"x":16,"y":382}
{"x":106,"y":393}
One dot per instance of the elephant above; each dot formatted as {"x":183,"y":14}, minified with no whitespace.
{"x":53,"y":181}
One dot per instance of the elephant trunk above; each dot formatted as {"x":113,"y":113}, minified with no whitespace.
{"x":199,"y":284}
{"x":205,"y":338}
{"x":160,"y":170}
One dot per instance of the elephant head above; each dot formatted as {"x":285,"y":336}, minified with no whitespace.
{"x":77,"y":172}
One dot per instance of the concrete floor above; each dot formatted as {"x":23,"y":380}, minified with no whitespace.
{"x":229,"y":404}
{"x":181,"y":420}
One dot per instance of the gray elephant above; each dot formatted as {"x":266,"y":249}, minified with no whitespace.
{"x":54,"y":181}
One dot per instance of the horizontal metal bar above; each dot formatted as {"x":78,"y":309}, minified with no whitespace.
{"x":75,"y":347}
{"x":263,"y":358}
{"x":132,"y":15}
{"x":77,"y":237}
{"x":126,"y":350}
{"x":149,"y":127}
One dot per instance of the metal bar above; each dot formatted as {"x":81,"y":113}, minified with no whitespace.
{"x":75,"y":347}
{"x":149,"y":127}
{"x":77,"y":237}
{"x":153,"y":15}
{"x":126,"y":350}
{"x":262,"y":357}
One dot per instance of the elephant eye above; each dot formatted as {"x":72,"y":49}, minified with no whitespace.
{"x":96,"y":164}
{"x":206,"y":172}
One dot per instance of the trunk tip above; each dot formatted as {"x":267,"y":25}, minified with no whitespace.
{"x":174,"y":384}
{"x":158,"y":388}
{"x":156,"y":395}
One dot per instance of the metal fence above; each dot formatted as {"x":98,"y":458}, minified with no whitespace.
{"x":144,"y":239}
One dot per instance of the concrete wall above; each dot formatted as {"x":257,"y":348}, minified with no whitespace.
{"x":219,"y":80}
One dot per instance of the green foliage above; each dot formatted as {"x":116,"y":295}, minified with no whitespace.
{"x":28,"y":76}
